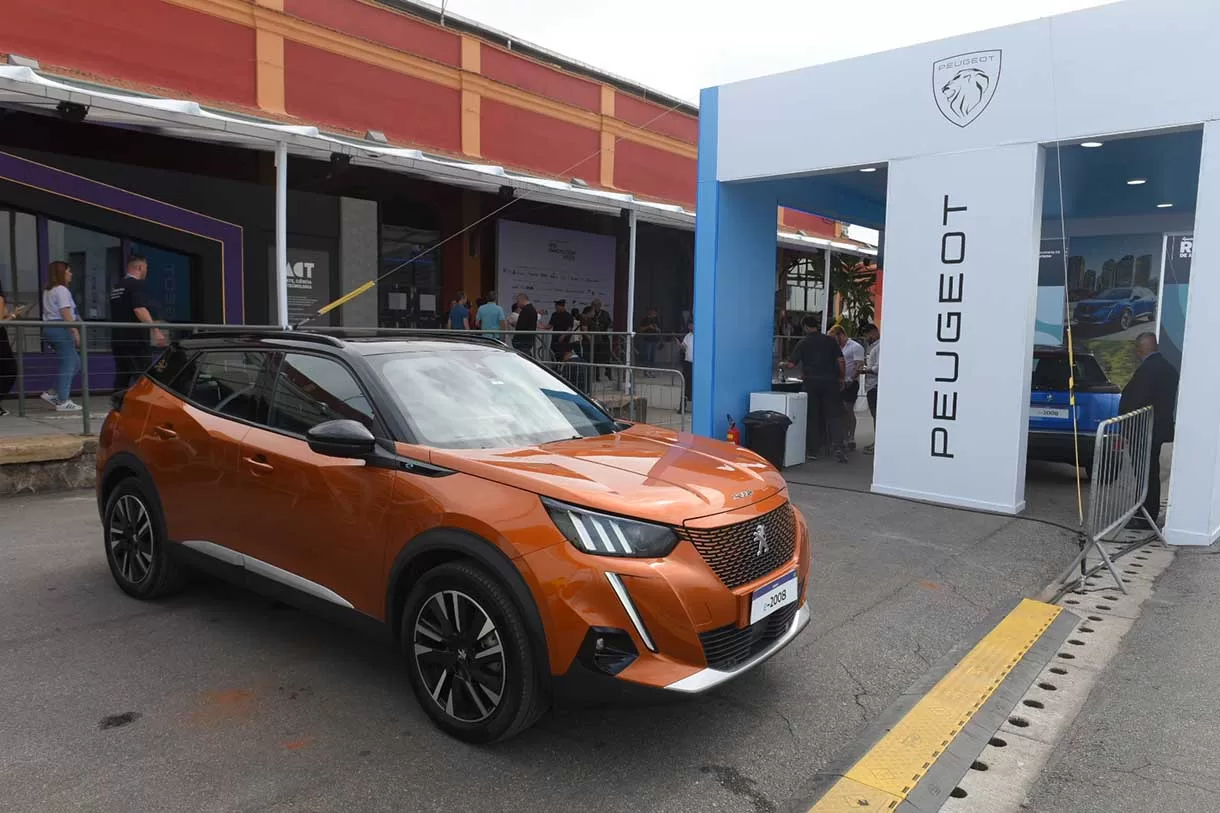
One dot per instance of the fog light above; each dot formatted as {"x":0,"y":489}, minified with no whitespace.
{"x":607,"y":650}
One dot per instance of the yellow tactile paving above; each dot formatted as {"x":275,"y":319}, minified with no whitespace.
{"x":882,"y":778}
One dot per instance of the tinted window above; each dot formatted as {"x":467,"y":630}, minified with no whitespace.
{"x":476,"y":398}
{"x":310,"y":390}
{"x":1051,"y":373}
{"x":175,"y":369}
{"x":232,"y":382}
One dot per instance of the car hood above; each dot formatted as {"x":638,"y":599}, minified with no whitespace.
{"x":643,"y":472}
{"x":1098,"y":303}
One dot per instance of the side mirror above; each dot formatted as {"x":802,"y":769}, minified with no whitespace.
{"x":342,"y":438}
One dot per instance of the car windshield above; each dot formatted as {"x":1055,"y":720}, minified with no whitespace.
{"x":486,"y":398}
{"x":1051,"y":373}
{"x":1115,"y":293}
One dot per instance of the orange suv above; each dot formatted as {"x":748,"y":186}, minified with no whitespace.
{"x":511,"y":534}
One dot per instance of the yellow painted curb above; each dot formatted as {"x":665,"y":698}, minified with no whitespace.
{"x":886,"y":774}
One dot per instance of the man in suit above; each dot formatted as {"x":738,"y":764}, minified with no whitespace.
{"x":1154,"y":384}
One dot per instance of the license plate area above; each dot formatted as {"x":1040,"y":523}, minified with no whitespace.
{"x":1048,"y":412}
{"x":772,"y":596}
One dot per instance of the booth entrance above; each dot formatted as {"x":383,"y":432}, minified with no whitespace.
{"x":1024,"y":181}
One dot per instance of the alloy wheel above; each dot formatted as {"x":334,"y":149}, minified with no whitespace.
{"x":460,"y":656}
{"x":131,"y":539}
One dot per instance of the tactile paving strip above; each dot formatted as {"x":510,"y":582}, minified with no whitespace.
{"x":883,"y":777}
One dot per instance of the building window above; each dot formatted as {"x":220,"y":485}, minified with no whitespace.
{"x":410,"y":292}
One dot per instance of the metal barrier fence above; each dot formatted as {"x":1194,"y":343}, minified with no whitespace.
{"x":620,"y":384}
{"x":652,"y":395}
{"x":1122,"y":455}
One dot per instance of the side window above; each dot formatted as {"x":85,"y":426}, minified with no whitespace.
{"x":310,"y":390}
{"x":233,"y":383}
{"x":175,"y":369}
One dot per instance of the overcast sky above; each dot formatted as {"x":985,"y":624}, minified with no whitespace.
{"x":681,"y":46}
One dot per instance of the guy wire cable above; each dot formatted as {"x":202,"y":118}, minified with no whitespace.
{"x":348,"y":297}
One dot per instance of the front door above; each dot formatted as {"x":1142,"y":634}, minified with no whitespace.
{"x":321,"y":522}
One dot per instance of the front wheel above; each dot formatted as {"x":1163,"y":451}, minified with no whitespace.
{"x":1125,"y":320}
{"x":469,"y":655}
{"x":136,"y":543}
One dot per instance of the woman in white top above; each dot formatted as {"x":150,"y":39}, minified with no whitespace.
{"x":59,"y":306}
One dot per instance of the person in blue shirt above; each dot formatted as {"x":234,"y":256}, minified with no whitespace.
{"x":459,"y":314}
{"x":491,"y":319}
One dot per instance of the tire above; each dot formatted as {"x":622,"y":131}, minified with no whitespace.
{"x":456,"y":676}
{"x":1125,"y":320}
{"x":133,"y":532}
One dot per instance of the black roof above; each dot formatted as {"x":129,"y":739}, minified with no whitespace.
{"x":353,"y":338}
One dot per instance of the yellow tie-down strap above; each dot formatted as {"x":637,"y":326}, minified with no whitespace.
{"x":882,"y":778}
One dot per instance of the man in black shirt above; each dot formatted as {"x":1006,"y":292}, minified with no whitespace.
{"x":1154,"y":384}
{"x":822,"y":369}
{"x":527,"y":324}
{"x":130,"y":346}
{"x":561,"y":328}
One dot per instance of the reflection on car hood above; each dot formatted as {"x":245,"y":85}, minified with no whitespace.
{"x":1093,"y":303}
{"x":645,"y":472}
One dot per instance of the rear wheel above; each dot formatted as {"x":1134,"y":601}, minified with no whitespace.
{"x":469,"y":656}
{"x":136,"y":544}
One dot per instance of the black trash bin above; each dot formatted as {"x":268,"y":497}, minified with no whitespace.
{"x":766,"y":432}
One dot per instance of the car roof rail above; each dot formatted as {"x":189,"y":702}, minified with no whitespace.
{"x":416,"y":333}
{"x":255,"y":335}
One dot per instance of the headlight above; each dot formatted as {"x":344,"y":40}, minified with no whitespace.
{"x":605,"y":535}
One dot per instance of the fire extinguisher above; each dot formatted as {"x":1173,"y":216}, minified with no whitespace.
{"x":734,"y":435}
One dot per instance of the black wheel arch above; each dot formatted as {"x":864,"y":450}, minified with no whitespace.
{"x":440,"y":545}
{"x":117,"y":469}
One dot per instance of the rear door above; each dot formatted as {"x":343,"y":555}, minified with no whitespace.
{"x":191,"y":441}
{"x":320,"y":519}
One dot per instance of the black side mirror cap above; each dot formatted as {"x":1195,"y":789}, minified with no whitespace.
{"x":342,"y":438}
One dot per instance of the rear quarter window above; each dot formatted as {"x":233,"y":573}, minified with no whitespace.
{"x":175,"y":369}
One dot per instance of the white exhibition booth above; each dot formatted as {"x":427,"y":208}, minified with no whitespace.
{"x":968,"y":153}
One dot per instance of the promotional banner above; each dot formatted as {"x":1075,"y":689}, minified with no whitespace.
{"x":308,"y":282}
{"x":549,"y":264}
{"x":1179,"y":251}
{"x":962,"y":234}
{"x":1048,"y":320}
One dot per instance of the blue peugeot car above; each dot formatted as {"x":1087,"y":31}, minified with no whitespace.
{"x":1121,"y":306}
{"x":1050,"y":417}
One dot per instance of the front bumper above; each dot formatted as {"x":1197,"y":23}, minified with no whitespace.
{"x":709,"y":678}
{"x":676,"y":612}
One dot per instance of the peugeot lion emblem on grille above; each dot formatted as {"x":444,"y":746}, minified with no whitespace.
{"x":760,"y":539}
{"x":741,"y":495}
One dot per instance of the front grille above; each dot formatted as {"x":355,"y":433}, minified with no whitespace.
{"x":730,"y":646}
{"x":732,"y":551}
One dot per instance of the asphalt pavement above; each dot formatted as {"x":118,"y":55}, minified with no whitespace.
{"x":1147,"y":736}
{"x":221,"y":700}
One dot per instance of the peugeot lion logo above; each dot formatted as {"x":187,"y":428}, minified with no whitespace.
{"x":760,"y":539}
{"x":965,"y":84}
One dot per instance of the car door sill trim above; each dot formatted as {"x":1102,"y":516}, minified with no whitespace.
{"x":269,"y":571}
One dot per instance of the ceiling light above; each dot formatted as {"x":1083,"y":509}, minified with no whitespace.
{"x":868,"y":169}
{"x":1090,"y":145}
{"x":1164,"y":206}
{"x":1137,"y":182}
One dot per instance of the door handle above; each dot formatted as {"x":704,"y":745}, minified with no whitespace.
{"x":258,"y":466}
{"x":165,"y":431}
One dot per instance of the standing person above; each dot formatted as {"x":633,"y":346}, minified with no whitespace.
{"x":490,"y":318}
{"x":459,"y":314}
{"x":1154,"y":384}
{"x":871,"y":369}
{"x":129,"y":303}
{"x":823,"y":370}
{"x":8,"y":364}
{"x":853,"y":360}
{"x":649,"y":337}
{"x":688,"y":359}
{"x":561,"y":330}
{"x":600,"y":323}
{"x":527,"y":325}
{"x":59,"y":306}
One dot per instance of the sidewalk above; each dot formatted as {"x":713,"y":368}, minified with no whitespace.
{"x":1147,"y":737}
